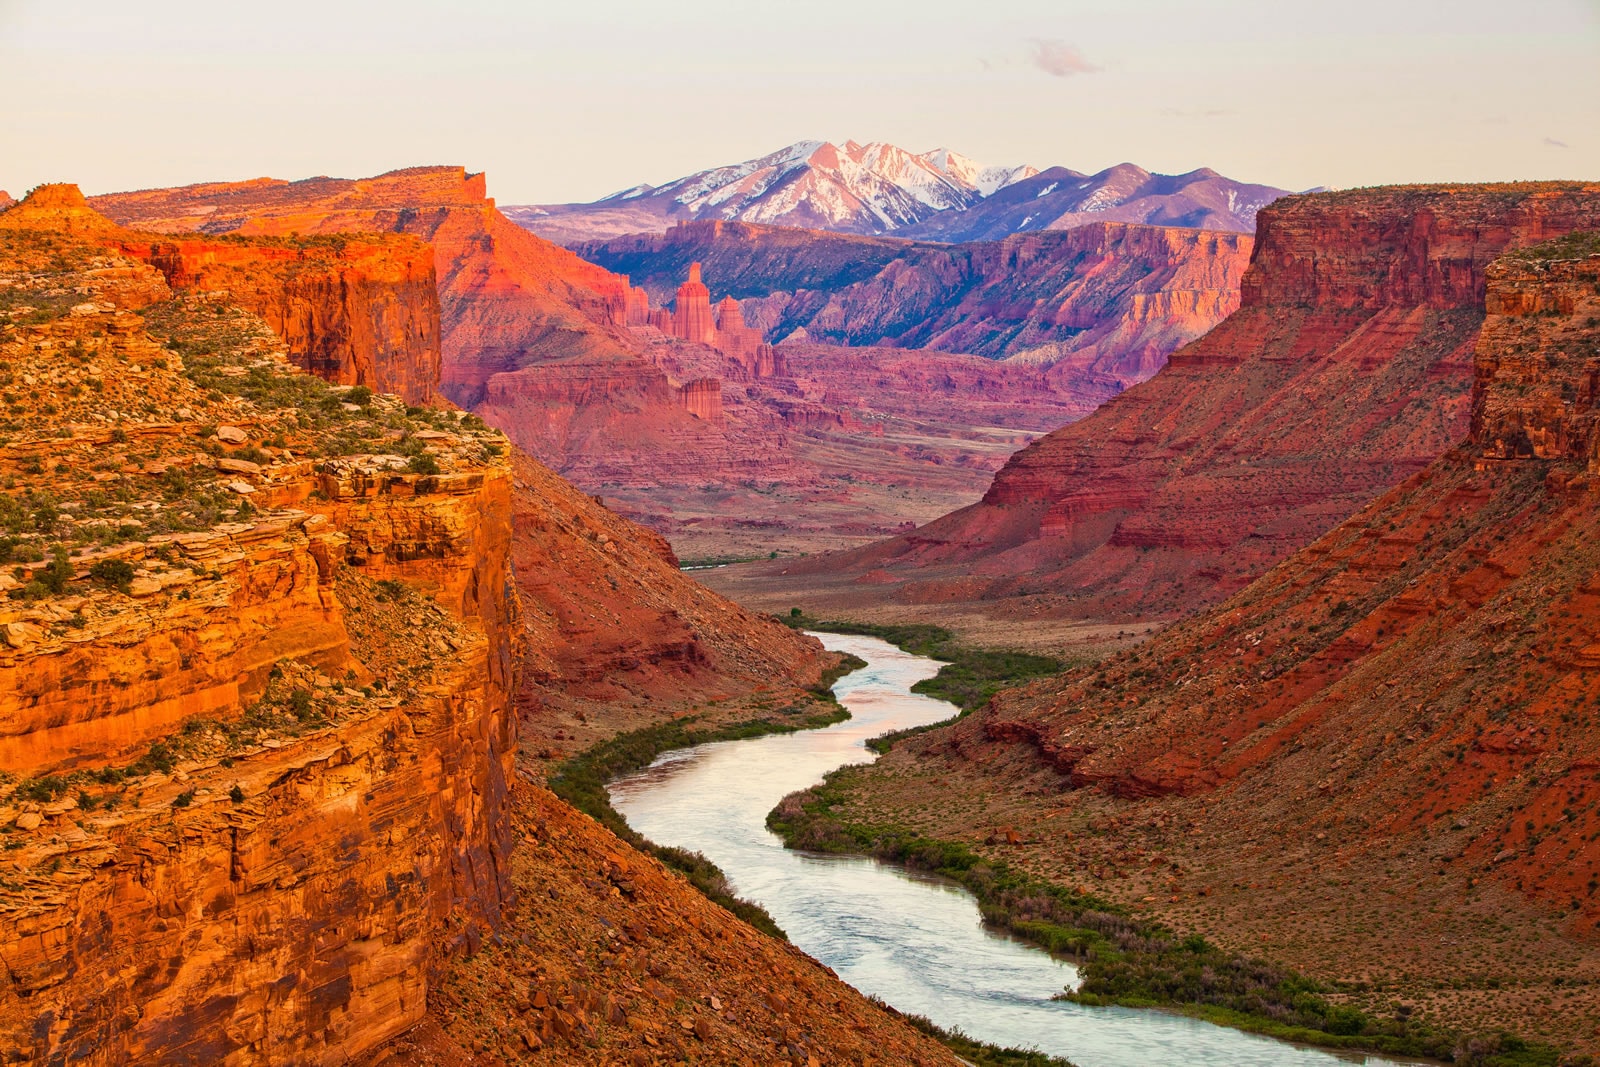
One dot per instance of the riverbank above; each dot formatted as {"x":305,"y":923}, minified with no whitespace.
{"x":581,"y":782}
{"x":1127,"y":957}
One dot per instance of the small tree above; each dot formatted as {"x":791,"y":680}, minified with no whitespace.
{"x":117,"y":573}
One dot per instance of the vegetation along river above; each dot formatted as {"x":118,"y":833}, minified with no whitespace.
{"x":916,"y":942}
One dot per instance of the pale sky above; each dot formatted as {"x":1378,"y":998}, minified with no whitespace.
{"x":575,"y":99}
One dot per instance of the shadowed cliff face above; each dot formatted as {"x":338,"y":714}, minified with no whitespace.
{"x":1346,"y":369}
{"x":1101,"y":303}
{"x":363,"y":312}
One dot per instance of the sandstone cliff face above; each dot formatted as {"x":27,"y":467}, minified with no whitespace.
{"x":571,"y":361}
{"x":293,"y":655}
{"x":533,"y":338}
{"x":1402,"y":702}
{"x":363,"y":312}
{"x":1346,"y":370}
{"x":1107,"y":301}
{"x":508,"y":299}
{"x":255,"y":785}
{"x":1538,"y":371}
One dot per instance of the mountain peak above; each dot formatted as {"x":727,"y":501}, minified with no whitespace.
{"x":880,"y":188}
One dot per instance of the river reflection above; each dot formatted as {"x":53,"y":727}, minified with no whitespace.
{"x":915,"y":941}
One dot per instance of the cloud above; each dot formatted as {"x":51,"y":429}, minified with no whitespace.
{"x":1553,"y":143}
{"x":1060,"y":59}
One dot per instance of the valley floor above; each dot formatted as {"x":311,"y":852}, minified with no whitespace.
{"x":1024,"y":624}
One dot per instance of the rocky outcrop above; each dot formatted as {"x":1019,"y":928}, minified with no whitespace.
{"x":691,"y":311}
{"x":1106,"y":302}
{"x":703,"y":398}
{"x":358,"y":312}
{"x":1538,"y":373}
{"x":1347,"y":369}
{"x":260,"y":718}
{"x":508,"y":300}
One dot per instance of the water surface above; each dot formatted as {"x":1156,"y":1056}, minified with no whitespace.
{"x":917,"y":942}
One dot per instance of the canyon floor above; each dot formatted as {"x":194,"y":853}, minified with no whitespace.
{"x":1025,"y":624}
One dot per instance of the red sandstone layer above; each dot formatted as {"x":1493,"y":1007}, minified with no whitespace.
{"x":1346,"y":369}
{"x":298,"y":708}
{"x":1104,"y":303}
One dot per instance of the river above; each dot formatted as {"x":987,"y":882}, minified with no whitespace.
{"x":917,"y":942}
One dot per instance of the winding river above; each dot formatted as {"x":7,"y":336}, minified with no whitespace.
{"x":915,"y":941}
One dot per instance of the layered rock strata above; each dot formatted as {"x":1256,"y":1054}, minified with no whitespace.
{"x":230,"y":657}
{"x":1106,"y":302}
{"x":578,"y":368}
{"x":356,"y":312}
{"x":1395,"y":715}
{"x":1347,"y":369}
{"x":256,"y":726}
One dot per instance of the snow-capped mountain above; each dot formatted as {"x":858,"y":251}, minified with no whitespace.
{"x":880,"y":188}
{"x":850,"y":188}
{"x":1059,"y":199}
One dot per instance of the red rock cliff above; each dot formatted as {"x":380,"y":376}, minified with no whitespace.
{"x":508,"y":299}
{"x":1107,"y":301}
{"x":278,"y":741}
{"x":1346,"y":369}
{"x":691,"y":311}
{"x":358,"y":312}
{"x":1401,"y":703}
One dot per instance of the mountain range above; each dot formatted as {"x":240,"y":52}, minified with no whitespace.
{"x":879,"y":188}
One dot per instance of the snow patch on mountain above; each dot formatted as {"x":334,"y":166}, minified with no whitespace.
{"x":879,"y":188}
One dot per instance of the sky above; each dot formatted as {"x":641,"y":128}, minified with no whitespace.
{"x":572,"y":100}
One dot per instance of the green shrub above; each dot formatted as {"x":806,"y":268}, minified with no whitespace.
{"x":116,"y":573}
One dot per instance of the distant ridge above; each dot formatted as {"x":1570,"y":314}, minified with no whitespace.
{"x":879,"y":188}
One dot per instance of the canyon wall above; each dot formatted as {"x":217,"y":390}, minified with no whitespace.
{"x":1347,"y":369}
{"x":257,"y":723}
{"x":1107,"y":302}
{"x":357,"y":312}
{"x":1401,"y":703}
{"x":261,"y":723}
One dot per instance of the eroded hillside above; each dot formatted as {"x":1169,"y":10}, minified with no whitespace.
{"x":1347,"y":368}
{"x":1378,"y":763}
